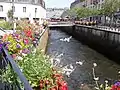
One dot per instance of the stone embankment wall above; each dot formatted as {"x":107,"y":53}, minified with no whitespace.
{"x":43,"y":42}
{"x":103,"y":41}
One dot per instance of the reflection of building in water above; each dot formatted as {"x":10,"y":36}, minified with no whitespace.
{"x":55,"y":12}
{"x":23,"y":9}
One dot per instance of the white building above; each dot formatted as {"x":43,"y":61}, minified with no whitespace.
{"x":23,"y":9}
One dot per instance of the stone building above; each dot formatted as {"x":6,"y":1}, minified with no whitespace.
{"x":88,"y":3}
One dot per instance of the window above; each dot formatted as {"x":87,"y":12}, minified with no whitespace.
{"x":24,"y":9}
{"x":13,"y":8}
{"x":1,"y":8}
{"x":35,"y":10}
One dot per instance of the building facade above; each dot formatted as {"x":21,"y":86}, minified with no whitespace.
{"x":75,"y":3}
{"x":95,"y":4}
{"x":88,"y":3}
{"x":23,"y":9}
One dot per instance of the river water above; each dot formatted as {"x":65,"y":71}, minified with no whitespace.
{"x":79,"y":59}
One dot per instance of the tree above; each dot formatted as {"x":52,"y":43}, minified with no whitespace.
{"x":82,"y":12}
{"x":94,"y":12}
{"x":10,"y":14}
{"x":109,"y":8}
{"x":82,"y":0}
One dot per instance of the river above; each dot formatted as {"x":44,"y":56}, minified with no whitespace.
{"x":80,"y":59}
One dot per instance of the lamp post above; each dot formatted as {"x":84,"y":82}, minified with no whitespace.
{"x":12,"y":10}
{"x":13,"y":21}
{"x":35,"y":14}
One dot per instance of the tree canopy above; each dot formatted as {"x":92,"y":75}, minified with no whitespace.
{"x":109,"y":7}
{"x":85,"y":12}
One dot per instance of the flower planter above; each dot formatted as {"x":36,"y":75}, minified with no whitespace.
{"x":32,"y":62}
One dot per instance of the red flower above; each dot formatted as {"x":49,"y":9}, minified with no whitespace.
{"x":4,"y":37}
{"x":41,"y":85}
{"x":58,"y":83}
{"x":42,"y":81}
{"x":64,"y":86}
{"x":58,"y":75}
{"x":47,"y":82}
{"x":115,"y":88}
{"x":28,"y":33}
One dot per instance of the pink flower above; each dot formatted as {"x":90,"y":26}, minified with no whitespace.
{"x":14,"y":56}
{"x":26,"y":41}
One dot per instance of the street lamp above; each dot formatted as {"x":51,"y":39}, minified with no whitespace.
{"x":35,"y":13}
{"x":13,"y":9}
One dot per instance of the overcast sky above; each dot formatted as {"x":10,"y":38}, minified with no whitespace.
{"x":58,"y":3}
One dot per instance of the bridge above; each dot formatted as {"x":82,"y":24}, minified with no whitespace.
{"x":104,"y":39}
{"x":60,"y":24}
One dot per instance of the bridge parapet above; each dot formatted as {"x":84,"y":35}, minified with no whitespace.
{"x":60,"y":24}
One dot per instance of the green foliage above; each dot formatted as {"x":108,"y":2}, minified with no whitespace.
{"x":35,"y":67}
{"x":85,"y":12}
{"x":82,"y":0}
{"x":6,"y":25}
{"x":81,"y":12}
{"x":110,"y":6}
{"x":18,"y":27}
{"x":94,"y":12}
{"x":71,"y":12}
{"x":9,"y":26}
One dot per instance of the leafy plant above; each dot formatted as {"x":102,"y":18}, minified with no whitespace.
{"x":6,"y":25}
{"x":35,"y":67}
